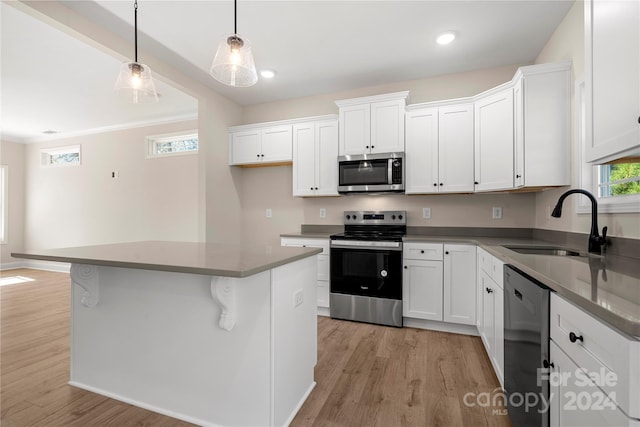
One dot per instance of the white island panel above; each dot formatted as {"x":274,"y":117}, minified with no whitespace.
{"x":154,"y":340}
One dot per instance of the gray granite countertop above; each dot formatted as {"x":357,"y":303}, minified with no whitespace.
{"x":226,"y":260}
{"x":608,"y":287}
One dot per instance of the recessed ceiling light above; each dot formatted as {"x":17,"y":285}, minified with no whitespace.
{"x":268,"y":74}
{"x":446,"y":38}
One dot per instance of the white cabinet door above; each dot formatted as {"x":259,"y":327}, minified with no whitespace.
{"x":498,"y":333}
{"x":387,"y":126}
{"x":612,"y":48}
{"x":488,"y":308}
{"x":304,"y":159}
{"x":276,"y":144}
{"x":421,"y":148}
{"x":355,"y":129}
{"x":455,"y":152}
{"x":575,"y":404}
{"x":494,"y":141}
{"x":459,"y":284}
{"x":326,"y":166}
{"x":422,"y":289}
{"x":245,"y":147}
{"x":542,"y":122}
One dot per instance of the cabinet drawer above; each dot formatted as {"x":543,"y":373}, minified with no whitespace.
{"x":423,"y":251}
{"x":306,"y":242}
{"x":599,"y":350}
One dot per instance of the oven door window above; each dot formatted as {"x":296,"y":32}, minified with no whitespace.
{"x":364,"y":172}
{"x":366,"y":272}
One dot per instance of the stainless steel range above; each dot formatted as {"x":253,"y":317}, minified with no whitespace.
{"x":366,"y":267}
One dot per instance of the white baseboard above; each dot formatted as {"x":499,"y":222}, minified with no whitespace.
{"x":323,"y":311}
{"x":440,"y":326}
{"x":143,"y":405}
{"x":299,"y":405}
{"x":61,"y":267}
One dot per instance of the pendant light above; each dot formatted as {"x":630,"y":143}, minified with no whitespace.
{"x":233,"y":64}
{"x":134,"y":82}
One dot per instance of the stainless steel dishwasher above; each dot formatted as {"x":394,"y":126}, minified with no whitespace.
{"x":526,"y":348}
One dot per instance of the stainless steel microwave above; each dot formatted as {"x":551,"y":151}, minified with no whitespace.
{"x":371,"y":173}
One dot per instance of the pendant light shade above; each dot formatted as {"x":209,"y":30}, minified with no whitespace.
{"x":233,"y":64}
{"x":134,"y":83}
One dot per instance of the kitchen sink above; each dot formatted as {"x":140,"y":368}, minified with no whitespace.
{"x":544,"y":250}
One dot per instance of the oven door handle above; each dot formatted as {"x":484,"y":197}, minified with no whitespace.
{"x":358,"y":244}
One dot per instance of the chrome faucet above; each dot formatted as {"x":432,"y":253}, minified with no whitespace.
{"x":595,"y":240}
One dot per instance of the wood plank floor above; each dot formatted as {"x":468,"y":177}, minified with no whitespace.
{"x":366,"y":375}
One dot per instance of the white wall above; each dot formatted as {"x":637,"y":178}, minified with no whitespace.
{"x":153,"y":198}
{"x":567,"y":42}
{"x":12,"y":155}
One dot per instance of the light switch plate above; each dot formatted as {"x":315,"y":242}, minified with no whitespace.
{"x":497,"y":212}
{"x":323,"y":213}
{"x":269,"y":213}
{"x":426,"y":213}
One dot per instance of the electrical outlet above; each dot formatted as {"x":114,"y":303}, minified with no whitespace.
{"x":426,"y":213}
{"x":323,"y":213}
{"x":269,"y":213}
{"x":497,"y":212}
{"x":548,"y":212}
{"x":298,"y":298}
{"x":115,"y":174}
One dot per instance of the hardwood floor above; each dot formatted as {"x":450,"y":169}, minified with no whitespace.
{"x":366,"y":375}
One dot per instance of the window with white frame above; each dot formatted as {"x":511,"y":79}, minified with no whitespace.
{"x":60,"y":156}
{"x":616,"y":186}
{"x":4,"y":200}
{"x":172,"y":144}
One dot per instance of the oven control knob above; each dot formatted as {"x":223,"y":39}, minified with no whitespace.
{"x":399,"y":216}
{"x":348,"y":216}
{"x":393,"y":217}
{"x":354,"y":217}
{"x":384,"y":273}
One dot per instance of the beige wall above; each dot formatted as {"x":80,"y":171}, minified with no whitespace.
{"x":12,"y":156}
{"x":271,"y":187}
{"x":567,"y":42}
{"x":153,"y":198}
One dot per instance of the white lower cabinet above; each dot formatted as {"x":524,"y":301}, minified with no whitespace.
{"x":422,"y":289}
{"x":323,"y":263}
{"x":598,"y":352}
{"x":459,"y":294}
{"x":490,"y":303}
{"x":439,"y":282}
{"x":576,"y":403}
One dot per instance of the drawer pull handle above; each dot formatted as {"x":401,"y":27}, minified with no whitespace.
{"x":422,"y":251}
{"x":547,"y":364}
{"x":573,"y":337}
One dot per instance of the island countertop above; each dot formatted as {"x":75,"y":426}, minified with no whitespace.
{"x":213,"y":259}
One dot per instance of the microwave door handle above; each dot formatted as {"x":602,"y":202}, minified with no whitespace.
{"x":390,"y":171}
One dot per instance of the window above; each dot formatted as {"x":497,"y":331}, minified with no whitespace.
{"x":4,"y":199}
{"x":172,"y":144}
{"x":620,"y":179}
{"x":60,"y":156}
{"x":616,"y":186}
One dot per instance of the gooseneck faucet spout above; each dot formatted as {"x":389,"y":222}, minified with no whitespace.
{"x":595,"y":240}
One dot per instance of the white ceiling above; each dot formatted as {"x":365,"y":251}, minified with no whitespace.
{"x":314,"y":46}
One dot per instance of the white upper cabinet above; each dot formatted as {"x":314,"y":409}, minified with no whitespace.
{"x":315,"y":152}
{"x":612,"y":59}
{"x":373,"y":124}
{"x":494,"y":140}
{"x":439,"y":150}
{"x":541,"y":97}
{"x":260,"y":144}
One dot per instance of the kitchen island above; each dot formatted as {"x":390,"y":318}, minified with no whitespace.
{"x":211,"y":334}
